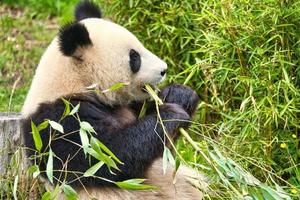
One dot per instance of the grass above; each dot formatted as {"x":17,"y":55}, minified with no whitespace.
{"x":242,"y":57}
{"x":24,"y":38}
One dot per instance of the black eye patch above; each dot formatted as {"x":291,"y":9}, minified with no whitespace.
{"x":135,"y":61}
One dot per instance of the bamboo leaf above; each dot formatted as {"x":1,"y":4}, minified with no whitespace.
{"x":75,"y":109}
{"x":47,"y":196}
{"x":153,"y":94}
{"x":34,"y":170}
{"x":49,"y":167}
{"x":70,"y":193}
{"x":98,"y":154}
{"x":67,"y":107}
{"x":56,"y":126}
{"x":135,"y":184}
{"x":91,"y":171}
{"x":114,"y":87}
{"x":105,"y":149}
{"x":143,"y":110}
{"x":43,"y":125}
{"x":93,"y":153}
{"x":36,"y":137}
{"x":87,"y":127}
{"x":16,"y":181}
{"x":84,"y":140}
{"x":167,"y":158}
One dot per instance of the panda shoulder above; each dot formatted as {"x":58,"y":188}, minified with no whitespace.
{"x":88,"y":106}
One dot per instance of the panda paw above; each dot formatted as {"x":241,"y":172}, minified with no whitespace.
{"x":174,"y":116}
{"x":181,"y":95}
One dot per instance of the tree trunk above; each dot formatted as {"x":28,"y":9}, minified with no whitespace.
{"x":10,"y":138}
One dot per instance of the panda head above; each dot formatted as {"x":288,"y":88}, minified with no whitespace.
{"x":106,"y":54}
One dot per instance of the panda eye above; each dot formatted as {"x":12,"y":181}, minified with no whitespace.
{"x":135,"y":61}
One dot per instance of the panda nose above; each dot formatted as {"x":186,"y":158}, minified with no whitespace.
{"x":163,"y":72}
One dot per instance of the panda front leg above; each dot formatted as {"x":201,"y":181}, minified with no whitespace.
{"x":138,"y":145}
{"x":181,"y":190}
{"x":178,"y":94}
{"x":181,"y":95}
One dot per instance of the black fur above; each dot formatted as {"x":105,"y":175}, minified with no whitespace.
{"x":87,"y":9}
{"x":71,"y":36}
{"x":181,"y":95}
{"x":135,"y":61}
{"x":136,"y":144}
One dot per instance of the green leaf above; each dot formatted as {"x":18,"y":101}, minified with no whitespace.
{"x":102,"y":156}
{"x":34,"y":170}
{"x":286,"y":77}
{"x":36,"y":137}
{"x":67,"y":107}
{"x":177,"y":164}
{"x":167,"y":157}
{"x":266,"y":190}
{"x":114,"y":87}
{"x":135,"y":184}
{"x":70,"y":192}
{"x":153,"y":94}
{"x":267,"y":195}
{"x":49,"y":167}
{"x":56,"y":126}
{"x":91,"y":171}
{"x":188,"y":78}
{"x":105,"y":149}
{"x":15,"y":187}
{"x":165,"y":161}
{"x":93,"y":153}
{"x":130,"y":3}
{"x":135,"y":180}
{"x":47,"y":196}
{"x":143,"y":110}
{"x":96,"y":152}
{"x":87,"y":127}
{"x":51,"y":195}
{"x":75,"y":109}
{"x":43,"y":125}
{"x":55,"y":192}
{"x":84,"y":140}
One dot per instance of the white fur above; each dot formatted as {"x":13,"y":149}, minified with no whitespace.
{"x":178,"y":188}
{"x":106,"y":63}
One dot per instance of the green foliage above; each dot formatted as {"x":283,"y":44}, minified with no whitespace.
{"x":242,"y":57}
{"x":13,"y":184}
{"x":23,"y":40}
{"x":46,"y":8}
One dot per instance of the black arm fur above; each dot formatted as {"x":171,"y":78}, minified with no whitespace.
{"x":137,"y":145}
{"x":181,"y":95}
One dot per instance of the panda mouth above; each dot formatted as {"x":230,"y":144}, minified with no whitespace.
{"x":144,"y":90}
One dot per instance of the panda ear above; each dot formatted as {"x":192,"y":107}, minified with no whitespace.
{"x":87,"y":9}
{"x":72,"y":37}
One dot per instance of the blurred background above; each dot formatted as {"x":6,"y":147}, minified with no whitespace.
{"x":241,"y":56}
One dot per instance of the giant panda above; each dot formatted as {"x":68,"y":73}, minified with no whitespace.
{"x":94,"y":51}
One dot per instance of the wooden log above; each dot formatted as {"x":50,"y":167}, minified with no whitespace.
{"x":10,"y":137}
